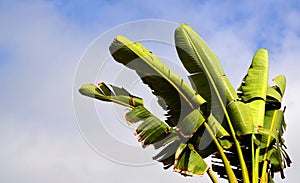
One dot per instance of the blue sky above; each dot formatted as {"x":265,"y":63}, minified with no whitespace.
{"x":41,"y":43}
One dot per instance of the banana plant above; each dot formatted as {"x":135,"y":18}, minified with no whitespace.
{"x":206,"y":117}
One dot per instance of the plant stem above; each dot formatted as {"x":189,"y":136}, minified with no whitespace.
{"x":255,"y":160}
{"x":212,"y":176}
{"x":236,"y":142}
{"x":257,"y":151}
{"x":238,"y":148}
{"x":263,"y":178}
{"x":229,"y":171}
{"x":239,"y":152}
{"x":264,"y":175}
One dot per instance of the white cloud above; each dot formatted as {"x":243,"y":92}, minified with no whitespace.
{"x":39,"y":135}
{"x":36,"y":154}
{"x":38,"y":131}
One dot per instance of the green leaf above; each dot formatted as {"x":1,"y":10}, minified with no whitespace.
{"x":151,"y":130}
{"x":274,"y":120}
{"x":190,"y":46}
{"x":254,"y":86}
{"x":216,"y":127}
{"x":276,"y":161}
{"x":267,"y":133}
{"x":188,"y":162}
{"x":273,"y":96}
{"x":274,"y":123}
{"x":243,"y":116}
{"x":197,"y":57}
{"x":179,"y":97}
{"x":137,"y":114}
{"x":202,"y":86}
{"x":201,"y":62}
{"x":275,"y":93}
{"x":219,"y":132}
{"x":281,"y":83}
{"x":215,"y":119}
{"x":102,"y":92}
{"x":190,"y":124}
{"x":255,"y":83}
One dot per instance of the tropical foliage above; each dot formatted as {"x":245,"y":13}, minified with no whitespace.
{"x":206,"y":117}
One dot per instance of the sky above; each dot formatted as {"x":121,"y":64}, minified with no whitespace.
{"x":49,"y":133}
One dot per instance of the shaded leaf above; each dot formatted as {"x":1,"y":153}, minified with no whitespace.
{"x":273,"y":99}
{"x":190,"y":124}
{"x":178,"y":95}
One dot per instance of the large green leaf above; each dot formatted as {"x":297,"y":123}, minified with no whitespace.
{"x":178,"y":95}
{"x":254,"y":86}
{"x":118,"y":95}
{"x":197,"y":57}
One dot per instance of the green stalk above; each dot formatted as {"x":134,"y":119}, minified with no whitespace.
{"x":255,"y":160}
{"x":253,"y":157}
{"x":264,"y":176}
{"x":256,"y":170}
{"x":244,"y":169}
{"x":229,"y":171}
{"x":240,"y":153}
{"x":237,"y":144}
{"x":212,"y":176}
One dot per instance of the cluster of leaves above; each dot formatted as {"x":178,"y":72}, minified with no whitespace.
{"x":207,"y":117}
